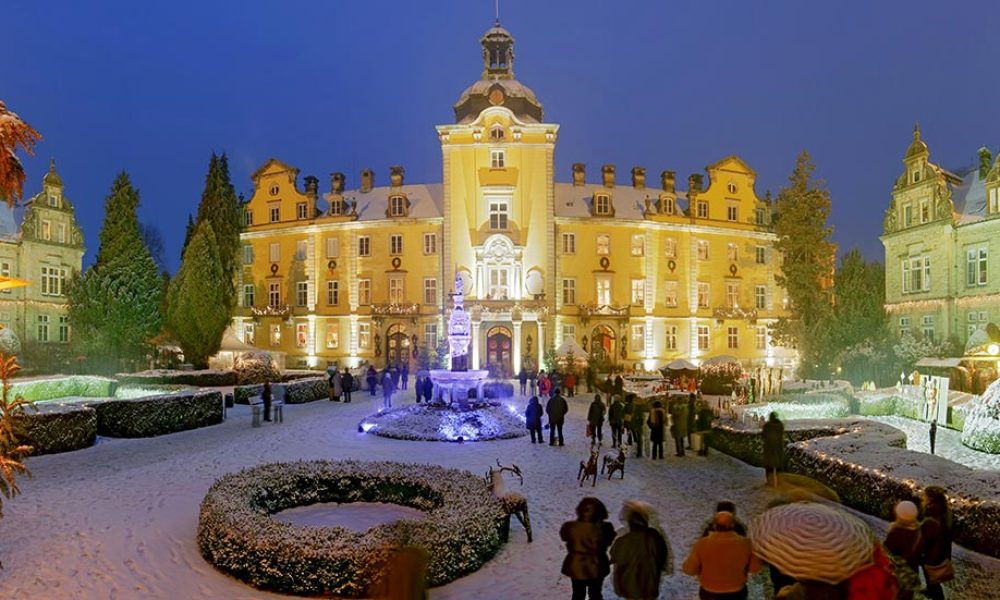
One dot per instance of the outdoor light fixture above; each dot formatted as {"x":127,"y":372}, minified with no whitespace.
{"x":993,"y":349}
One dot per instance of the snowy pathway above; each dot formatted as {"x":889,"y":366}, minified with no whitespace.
{"x":118,"y":521}
{"x":947,"y":443}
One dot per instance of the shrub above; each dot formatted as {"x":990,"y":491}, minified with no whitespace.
{"x":158,"y":415}
{"x":204,"y":378}
{"x":87,"y":386}
{"x":9,"y":342}
{"x":56,"y":427}
{"x":238,"y":536}
{"x":982,"y":421}
{"x":255,"y":367}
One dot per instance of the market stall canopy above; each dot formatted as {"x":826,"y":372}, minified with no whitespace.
{"x":943,"y":363}
{"x":720,"y":359}
{"x":681,"y":365}
{"x":231,"y":343}
{"x":569,"y":346}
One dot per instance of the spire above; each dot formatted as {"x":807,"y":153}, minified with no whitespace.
{"x":916,"y":132}
{"x":917,"y":147}
{"x":52,"y":178}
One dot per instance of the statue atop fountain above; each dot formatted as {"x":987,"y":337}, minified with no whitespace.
{"x":459,"y":329}
{"x":455,"y":384}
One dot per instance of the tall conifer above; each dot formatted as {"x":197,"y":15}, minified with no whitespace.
{"x":196,"y":311}
{"x":220,"y":207}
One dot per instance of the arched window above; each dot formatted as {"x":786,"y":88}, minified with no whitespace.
{"x":497,"y":133}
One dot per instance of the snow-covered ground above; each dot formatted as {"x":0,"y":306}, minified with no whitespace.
{"x":947,"y":443}
{"x":118,"y":520}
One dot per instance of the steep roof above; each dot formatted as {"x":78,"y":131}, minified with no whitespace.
{"x":969,"y":197}
{"x":426,"y":200}
{"x":629,"y":202}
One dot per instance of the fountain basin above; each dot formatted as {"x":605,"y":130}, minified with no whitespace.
{"x":454,"y":386}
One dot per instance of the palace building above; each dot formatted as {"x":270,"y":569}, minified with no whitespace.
{"x":941,"y":232}
{"x":637,"y":275}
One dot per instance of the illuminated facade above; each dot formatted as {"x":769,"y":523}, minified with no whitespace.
{"x":637,"y":275}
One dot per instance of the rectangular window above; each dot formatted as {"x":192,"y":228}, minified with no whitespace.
{"x":53,"y":281}
{"x":602,"y":204}
{"x":760,"y":338}
{"x":638,"y":245}
{"x":498,"y":282}
{"x":702,"y":209}
{"x":333,"y":335}
{"x":732,"y":213}
{"x":732,"y":294}
{"x":760,"y":215}
{"x":332,"y":292}
{"x":668,"y":205}
{"x":569,"y":291}
{"x":46,"y":230}
{"x":497,"y":159}
{"x":336,"y":206}
{"x":248,"y":291}
{"x":916,"y":274}
{"x":247,"y":218}
{"x":300,"y":210}
{"x":638,"y":337}
{"x":670,"y":247}
{"x":569,"y":332}
{"x":247,"y":254}
{"x":396,"y":244}
{"x":364,"y":291}
{"x":61,"y":233}
{"x":603,"y":291}
{"x":760,"y":296}
{"x":499,"y":213}
{"x":43,"y":328}
{"x":733,"y":338}
{"x":670,"y":298}
{"x":904,"y":326}
{"x":925,"y":211}
{"x":430,"y":243}
{"x":761,"y":255}
{"x":927,"y":327}
{"x":301,"y":335}
{"x":64,"y":329}
{"x":603,"y":244}
{"x":332,"y":247}
{"x":364,"y":335}
{"x":274,"y":252}
{"x":702,"y":250}
{"x":732,"y":252}
{"x":907,"y":215}
{"x":397,"y":206}
{"x":301,"y":293}
{"x":275,"y":335}
{"x":703,"y":337}
{"x":431,"y":335}
{"x":364,"y":245}
{"x":638,"y":292}
{"x":976,"y":266}
{"x":671,"y":339}
{"x":430,"y":290}
{"x":569,"y":243}
{"x":275,"y":212}
{"x":395,"y":289}
{"x":274,"y":294}
{"x":53,"y":201}
{"x":249,"y":333}
{"x":703,"y":295}
{"x":927,"y":274}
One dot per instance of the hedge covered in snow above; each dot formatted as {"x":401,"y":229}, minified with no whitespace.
{"x":56,"y":427}
{"x":203,"y":378}
{"x":982,"y":421}
{"x":436,"y":423}
{"x":37,"y":390}
{"x":237,"y":534}
{"x":296,"y":391}
{"x":868,"y":465}
{"x":157,"y":415}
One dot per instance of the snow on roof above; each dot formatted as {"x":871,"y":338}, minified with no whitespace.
{"x":629,"y":202}
{"x":969,"y":196}
{"x":426,"y":201}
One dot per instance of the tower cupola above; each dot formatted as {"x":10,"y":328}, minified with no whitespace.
{"x":498,"y":53}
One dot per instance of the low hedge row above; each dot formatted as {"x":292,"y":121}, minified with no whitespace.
{"x":867,"y":464}
{"x":52,"y":427}
{"x":204,"y":378}
{"x":88,"y":386}
{"x":296,"y":391}
{"x":158,"y":415}
{"x":237,"y":534}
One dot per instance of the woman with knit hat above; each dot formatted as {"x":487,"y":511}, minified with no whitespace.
{"x":905,"y":543}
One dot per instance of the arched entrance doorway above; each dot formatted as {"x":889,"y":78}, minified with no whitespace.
{"x":602,"y":345}
{"x":499,"y":349}
{"x":397,"y":346}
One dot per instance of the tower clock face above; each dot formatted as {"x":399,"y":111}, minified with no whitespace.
{"x":496,"y":97}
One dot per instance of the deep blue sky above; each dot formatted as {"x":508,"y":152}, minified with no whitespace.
{"x":154,"y":88}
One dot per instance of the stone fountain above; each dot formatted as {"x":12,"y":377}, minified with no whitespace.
{"x":453,"y":386}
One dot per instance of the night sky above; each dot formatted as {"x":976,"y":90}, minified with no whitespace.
{"x":154,"y":88}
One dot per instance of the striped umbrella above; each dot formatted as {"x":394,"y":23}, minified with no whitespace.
{"x":814,"y":542}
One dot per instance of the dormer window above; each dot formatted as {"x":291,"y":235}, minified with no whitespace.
{"x":497,"y":133}
{"x":336,"y":207}
{"x":53,"y":200}
{"x":731,"y":188}
{"x":668,"y":206}
{"x":915,"y":175}
{"x":602,"y":204}
{"x":702,"y":209}
{"x":497,"y":159}
{"x":397,"y":206}
{"x":301,"y":210}
{"x":273,"y":190}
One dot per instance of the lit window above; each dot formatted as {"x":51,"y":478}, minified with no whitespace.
{"x":64,"y":329}
{"x":275,"y":212}
{"x":332,"y":247}
{"x":703,"y":337}
{"x":498,"y":284}
{"x":333,"y":335}
{"x":499,"y":212}
{"x":925,"y":211}
{"x":602,"y":204}
{"x":301,"y":335}
{"x":568,"y":331}
{"x":733,"y":338}
{"x":569,"y":291}
{"x":760,"y":338}
{"x":760,"y":296}
{"x":430,"y":290}
{"x":364,"y":245}
{"x":396,"y":243}
{"x":670,"y":247}
{"x":603,"y":291}
{"x":249,"y":333}
{"x":248,"y":292}
{"x":397,"y":206}
{"x":671,"y":337}
{"x":927,"y":328}
{"x":732,"y":252}
{"x":761,"y":255}
{"x":274,"y":294}
{"x":247,"y":218}
{"x":53,"y":281}
{"x":732,"y":213}
{"x":275,"y":335}
{"x":301,"y":293}
{"x":702,"y":209}
{"x":638,"y":292}
{"x":670,"y":299}
{"x":637,"y":338}
{"x":364,"y":335}
{"x":638,"y":245}
{"x":332,"y":292}
{"x":732,"y":294}
{"x":702,"y":250}
{"x":569,"y":243}
{"x":976,"y":266}
{"x":364,"y":291}
{"x":430,"y":243}
{"x":703,"y":294}
{"x":43,"y":328}
{"x":497,"y":159}
{"x":336,"y":206}
{"x":274,"y":252}
{"x":431,"y":335}
{"x":301,"y":210}
{"x":668,"y":205}
{"x":603,"y":244}
{"x":916,"y":274}
{"x":395,"y":289}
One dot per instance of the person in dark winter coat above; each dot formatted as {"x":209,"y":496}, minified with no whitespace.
{"x":428,"y":389}
{"x":533,"y":420}
{"x":347,"y":384}
{"x":616,"y":419}
{"x":936,"y":530}
{"x":371,"y":378}
{"x":905,"y":542}
{"x":636,"y":424}
{"x":678,"y":426}
{"x":639,"y":556}
{"x":587,"y":541}
{"x":522,"y":378}
{"x":404,"y":376}
{"x":619,"y":386}
{"x":773,"y":433}
{"x":556,"y":408}
{"x":266,"y":396}
{"x":691,"y":414}
{"x":595,"y":418}
{"x":387,"y":389}
{"x":657,"y":422}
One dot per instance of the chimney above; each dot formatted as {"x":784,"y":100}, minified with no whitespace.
{"x":639,"y":178}
{"x":579,"y":174}
{"x":337,"y":181}
{"x":668,"y":180}
{"x":396,"y":175}
{"x":312,"y":187}
{"x":608,"y":175}
{"x":694,"y":183}
{"x":367,"y":180}
{"x":985,"y":162}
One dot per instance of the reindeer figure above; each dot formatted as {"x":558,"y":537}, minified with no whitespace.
{"x":613,"y":463}
{"x":513,"y":503}
{"x":588,"y":469}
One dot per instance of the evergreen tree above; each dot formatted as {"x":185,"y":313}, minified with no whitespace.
{"x":221,"y":208}
{"x":196,"y":312}
{"x":859,"y":302}
{"x":188,"y":232}
{"x":808,"y":264}
{"x":114,"y":305}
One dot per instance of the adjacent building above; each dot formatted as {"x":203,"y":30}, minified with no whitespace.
{"x":46,"y":249}
{"x":636,"y":274}
{"x":942,"y":240}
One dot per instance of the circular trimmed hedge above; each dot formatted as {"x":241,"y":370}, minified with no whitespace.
{"x":237,"y":534}
{"x":437,"y":423}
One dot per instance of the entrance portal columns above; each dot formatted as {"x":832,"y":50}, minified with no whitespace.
{"x":475,"y":344}
{"x":541,"y":343}
{"x":516,"y":364}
